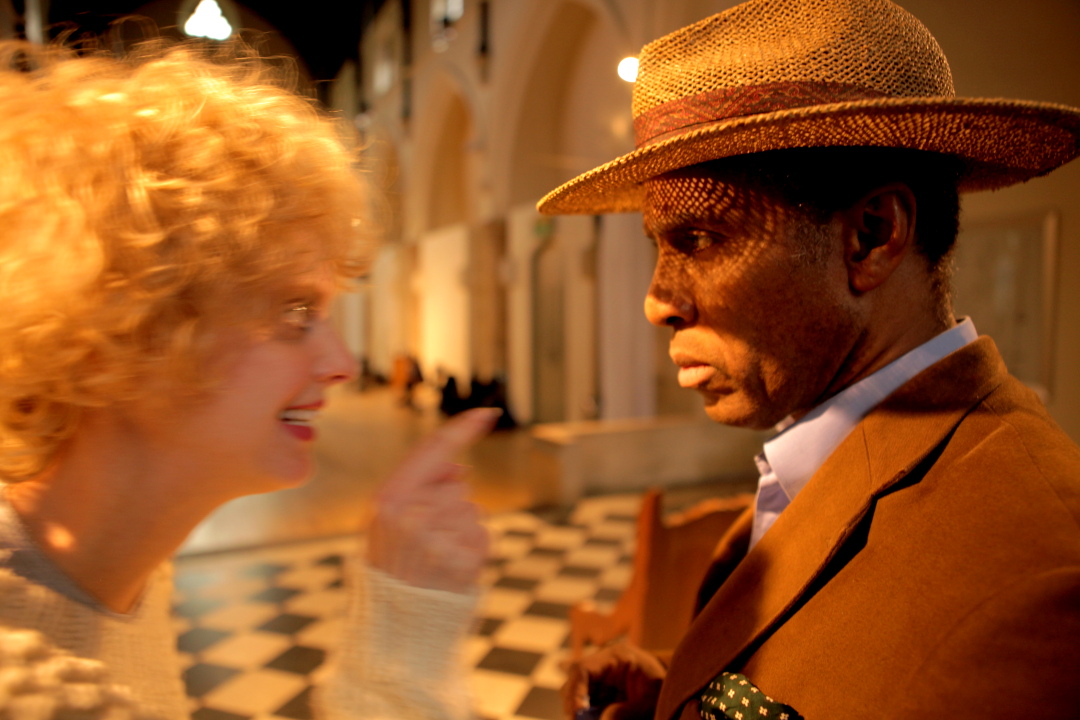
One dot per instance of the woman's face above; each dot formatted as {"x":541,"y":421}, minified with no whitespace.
{"x":253,"y":432}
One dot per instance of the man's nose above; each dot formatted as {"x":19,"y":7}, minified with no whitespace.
{"x":668,"y":303}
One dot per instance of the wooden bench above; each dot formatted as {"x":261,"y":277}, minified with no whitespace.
{"x":670,"y":561}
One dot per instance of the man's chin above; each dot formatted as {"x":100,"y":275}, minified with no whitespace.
{"x":736,"y":412}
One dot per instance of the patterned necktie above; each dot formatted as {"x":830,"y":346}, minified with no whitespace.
{"x":732,"y":697}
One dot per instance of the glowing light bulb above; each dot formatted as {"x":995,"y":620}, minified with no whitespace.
{"x":208,"y":21}
{"x":628,"y":69}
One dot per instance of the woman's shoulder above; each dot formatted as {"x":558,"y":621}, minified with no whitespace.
{"x":49,"y":663}
{"x":40,"y":680}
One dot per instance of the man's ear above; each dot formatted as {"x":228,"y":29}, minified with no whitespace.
{"x":879,"y":233}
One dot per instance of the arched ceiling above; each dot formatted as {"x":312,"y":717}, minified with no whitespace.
{"x":325,"y":33}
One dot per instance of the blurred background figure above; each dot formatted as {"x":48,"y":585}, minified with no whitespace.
{"x":450,"y":402}
{"x":405,"y":377}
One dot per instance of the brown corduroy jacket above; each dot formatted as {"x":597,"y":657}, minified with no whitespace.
{"x":930,"y":568}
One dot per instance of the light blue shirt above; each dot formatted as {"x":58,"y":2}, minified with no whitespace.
{"x":790,"y":459}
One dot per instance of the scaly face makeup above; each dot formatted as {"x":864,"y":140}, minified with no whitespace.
{"x":756,"y":324}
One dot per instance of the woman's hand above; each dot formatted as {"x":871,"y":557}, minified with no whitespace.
{"x":425,"y":531}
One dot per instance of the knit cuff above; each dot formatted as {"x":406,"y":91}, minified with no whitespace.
{"x":416,"y":627}
{"x":399,"y":656}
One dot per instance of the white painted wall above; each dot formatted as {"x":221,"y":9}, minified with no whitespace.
{"x":1029,"y":50}
{"x":351,"y":316}
{"x":440,"y":284}
{"x":576,"y":239}
{"x":596,"y":122}
{"x":521,"y":243}
{"x":387,"y":293}
{"x":625,"y":340}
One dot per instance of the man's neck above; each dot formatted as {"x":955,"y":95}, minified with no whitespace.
{"x":897,"y":317}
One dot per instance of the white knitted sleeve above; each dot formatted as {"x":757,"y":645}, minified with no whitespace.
{"x":399,"y":657}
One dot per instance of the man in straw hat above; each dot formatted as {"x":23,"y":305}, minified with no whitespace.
{"x":914,"y":546}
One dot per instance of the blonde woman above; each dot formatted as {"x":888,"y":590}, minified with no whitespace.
{"x":173,"y":229}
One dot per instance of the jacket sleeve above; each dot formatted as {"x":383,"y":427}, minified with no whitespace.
{"x":399,"y":657}
{"x":1015,"y":655}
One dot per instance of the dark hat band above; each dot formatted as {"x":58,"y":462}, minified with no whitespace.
{"x":679,"y":116}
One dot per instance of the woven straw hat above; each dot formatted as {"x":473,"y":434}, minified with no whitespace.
{"x":776,"y":74}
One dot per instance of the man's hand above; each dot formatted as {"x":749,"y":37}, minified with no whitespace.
{"x":622,"y":678}
{"x":425,"y":531}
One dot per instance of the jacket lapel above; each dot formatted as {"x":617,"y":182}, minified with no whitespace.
{"x":772,"y":578}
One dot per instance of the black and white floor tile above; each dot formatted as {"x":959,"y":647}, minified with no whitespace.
{"x":254,"y":627}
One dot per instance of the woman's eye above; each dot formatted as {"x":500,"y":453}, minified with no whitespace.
{"x":300,"y":318}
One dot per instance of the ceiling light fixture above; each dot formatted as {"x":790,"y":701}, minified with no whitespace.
{"x":208,"y":21}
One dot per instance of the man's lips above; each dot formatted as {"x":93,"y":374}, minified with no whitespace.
{"x":692,"y":371}
{"x":695,"y":375}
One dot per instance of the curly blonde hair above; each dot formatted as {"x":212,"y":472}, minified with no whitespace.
{"x":146,"y":203}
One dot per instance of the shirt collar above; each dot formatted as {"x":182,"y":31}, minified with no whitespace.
{"x":802,"y":447}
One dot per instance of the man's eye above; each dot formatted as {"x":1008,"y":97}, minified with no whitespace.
{"x":694,"y":241}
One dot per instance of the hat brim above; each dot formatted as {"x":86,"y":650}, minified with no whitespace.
{"x":1001,"y":143}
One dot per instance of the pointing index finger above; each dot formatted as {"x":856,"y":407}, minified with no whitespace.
{"x":427,"y":464}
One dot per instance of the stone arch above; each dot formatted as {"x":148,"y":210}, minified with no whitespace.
{"x":560,"y":50}
{"x":440,"y":144}
{"x":448,"y":193}
{"x":375,"y":315}
{"x":7,"y":20}
{"x":551,"y":314}
{"x":438,"y":223}
{"x":536,"y":148}
{"x":572,"y":114}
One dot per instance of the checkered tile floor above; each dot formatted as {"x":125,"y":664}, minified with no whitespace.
{"x":254,"y":627}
